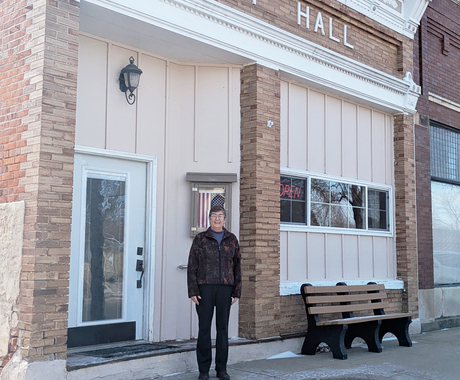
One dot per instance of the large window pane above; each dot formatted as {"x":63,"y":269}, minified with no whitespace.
{"x":292,"y":199}
{"x":378,"y":209}
{"x":445,"y":199}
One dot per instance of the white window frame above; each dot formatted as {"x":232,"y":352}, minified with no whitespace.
{"x":299,"y":227}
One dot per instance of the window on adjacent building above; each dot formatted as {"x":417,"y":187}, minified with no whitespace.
{"x":333,"y":204}
{"x":445,"y":203}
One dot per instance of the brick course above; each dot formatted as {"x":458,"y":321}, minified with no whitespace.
{"x":37,"y":125}
{"x":259,"y":202}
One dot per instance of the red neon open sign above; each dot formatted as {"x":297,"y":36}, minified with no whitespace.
{"x":290,"y":191}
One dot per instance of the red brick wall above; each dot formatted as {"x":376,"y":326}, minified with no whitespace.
{"x":436,"y":60}
{"x":14,"y":95}
{"x":436,"y":69}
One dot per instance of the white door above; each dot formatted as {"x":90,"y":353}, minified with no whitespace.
{"x":106,"y":296}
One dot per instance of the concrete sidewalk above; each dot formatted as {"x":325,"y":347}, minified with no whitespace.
{"x":434,"y":355}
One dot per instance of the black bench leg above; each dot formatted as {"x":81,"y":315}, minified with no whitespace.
{"x":399,"y":327}
{"x":368,"y":331}
{"x":333,"y":336}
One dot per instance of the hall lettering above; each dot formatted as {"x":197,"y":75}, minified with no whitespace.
{"x":319,"y":25}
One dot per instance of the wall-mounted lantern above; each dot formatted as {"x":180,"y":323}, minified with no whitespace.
{"x":129,"y":80}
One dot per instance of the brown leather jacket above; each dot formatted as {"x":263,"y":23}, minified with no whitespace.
{"x":207,"y":264}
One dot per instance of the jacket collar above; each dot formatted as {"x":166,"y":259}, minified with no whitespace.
{"x":208,"y":233}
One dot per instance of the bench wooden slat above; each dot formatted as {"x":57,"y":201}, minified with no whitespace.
{"x":368,"y":318}
{"x":346,"y":298}
{"x":342,"y":289}
{"x":344,"y":308}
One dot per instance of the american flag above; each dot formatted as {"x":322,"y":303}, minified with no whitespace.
{"x":206,"y":200}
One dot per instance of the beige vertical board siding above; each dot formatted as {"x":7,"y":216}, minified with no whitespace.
{"x":364,"y":144}
{"x":297,"y":266}
{"x":284,"y":121}
{"x":297,"y":127}
{"x":379,"y":158}
{"x":316,"y":125}
{"x":380,"y":257}
{"x":91,"y":93}
{"x":176,"y":311}
{"x":392,"y":263}
{"x":349,"y":140}
{"x":366,"y":257}
{"x":350,"y":257}
{"x":316,"y":257}
{"x":151,"y":107}
{"x":389,"y":150}
{"x":121,"y":117}
{"x":212,"y":115}
{"x":284,"y":238}
{"x":334,"y":259}
{"x":334,"y":136}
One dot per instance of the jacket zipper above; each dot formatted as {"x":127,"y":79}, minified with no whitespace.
{"x":220,"y":265}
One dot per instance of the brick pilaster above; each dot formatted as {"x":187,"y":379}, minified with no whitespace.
{"x":405,"y":210}
{"x":259,"y":202}
{"x":37,"y":119}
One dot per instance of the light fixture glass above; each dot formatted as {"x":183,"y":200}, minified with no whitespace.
{"x":129,"y":80}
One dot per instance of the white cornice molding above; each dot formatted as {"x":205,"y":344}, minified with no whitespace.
{"x":226,"y":28}
{"x":405,"y":22}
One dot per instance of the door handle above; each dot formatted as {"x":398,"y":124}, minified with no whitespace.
{"x":140,"y":268}
{"x":182,"y":266}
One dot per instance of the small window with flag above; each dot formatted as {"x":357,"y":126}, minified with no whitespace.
{"x":208,"y":190}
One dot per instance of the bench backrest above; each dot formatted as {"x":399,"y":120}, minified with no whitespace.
{"x":343,"y":300}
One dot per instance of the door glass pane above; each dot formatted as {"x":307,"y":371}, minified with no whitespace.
{"x":104,"y":241}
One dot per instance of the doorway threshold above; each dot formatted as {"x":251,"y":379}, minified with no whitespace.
{"x":89,"y":356}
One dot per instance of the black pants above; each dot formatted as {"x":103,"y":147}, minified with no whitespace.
{"x":220,"y":297}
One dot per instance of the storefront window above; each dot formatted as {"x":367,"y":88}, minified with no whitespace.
{"x":333,"y":204}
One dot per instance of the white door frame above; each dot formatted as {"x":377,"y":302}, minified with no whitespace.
{"x":150,"y":224}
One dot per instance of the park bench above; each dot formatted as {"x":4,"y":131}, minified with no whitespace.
{"x":331,"y":318}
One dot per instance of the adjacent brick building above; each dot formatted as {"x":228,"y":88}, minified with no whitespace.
{"x":436,"y":53}
{"x":264,"y":106}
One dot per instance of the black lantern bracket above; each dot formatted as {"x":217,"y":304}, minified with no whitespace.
{"x":129,"y":80}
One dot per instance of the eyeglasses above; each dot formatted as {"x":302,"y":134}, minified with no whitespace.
{"x":217,"y":216}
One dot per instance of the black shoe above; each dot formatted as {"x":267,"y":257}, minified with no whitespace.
{"x":203,"y":376}
{"x":223,"y":375}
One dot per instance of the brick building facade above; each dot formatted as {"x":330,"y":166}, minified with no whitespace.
{"x":284,"y":85}
{"x":436,"y":51}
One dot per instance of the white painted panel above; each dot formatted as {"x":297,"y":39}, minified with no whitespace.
{"x":121,"y":117}
{"x":297,"y":259}
{"x":284,"y":121}
{"x":350,"y":257}
{"x":349,"y":140}
{"x":334,"y":260}
{"x":380,"y":257}
{"x":316,"y":128}
{"x":297,"y":127}
{"x":283,"y":255}
{"x":212,"y":113}
{"x":379,"y":158}
{"x":151,"y":106}
{"x":91,"y":93}
{"x":333,"y":136}
{"x":391,"y":251}
{"x":364,"y":144}
{"x":176,"y":309}
{"x":316,"y":257}
{"x":366,"y":264}
{"x":390,"y":150}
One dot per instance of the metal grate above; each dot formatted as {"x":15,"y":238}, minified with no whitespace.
{"x":445,"y":153}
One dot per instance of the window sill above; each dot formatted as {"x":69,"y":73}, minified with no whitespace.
{"x":293,"y":288}
{"x":333,"y":230}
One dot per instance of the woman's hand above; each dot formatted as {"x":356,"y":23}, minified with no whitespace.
{"x":234,"y":299}
{"x":195,"y":299}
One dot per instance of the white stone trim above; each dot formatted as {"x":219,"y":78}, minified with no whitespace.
{"x":443,"y":102}
{"x":223,"y":27}
{"x":293,"y":288}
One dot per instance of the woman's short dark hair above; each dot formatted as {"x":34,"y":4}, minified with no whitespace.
{"x":217,"y":209}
